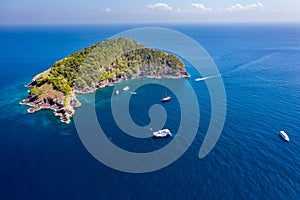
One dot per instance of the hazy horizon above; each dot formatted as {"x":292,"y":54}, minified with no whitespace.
{"x":132,"y":11}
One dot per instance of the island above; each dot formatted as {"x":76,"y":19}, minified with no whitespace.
{"x":102,"y":64}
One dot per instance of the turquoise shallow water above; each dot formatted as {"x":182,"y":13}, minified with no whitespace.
{"x":43,"y":158}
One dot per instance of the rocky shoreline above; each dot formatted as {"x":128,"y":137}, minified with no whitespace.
{"x":104,"y":84}
{"x":64,"y":112}
{"x":63,"y":106}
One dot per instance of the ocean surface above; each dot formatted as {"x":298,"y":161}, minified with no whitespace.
{"x":42,"y":158}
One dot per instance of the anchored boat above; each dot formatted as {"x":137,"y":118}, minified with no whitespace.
{"x":162,"y":133}
{"x":126,"y":88}
{"x":285,"y":136}
{"x":166,"y":99}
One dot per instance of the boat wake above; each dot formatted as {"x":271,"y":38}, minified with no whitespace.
{"x":253,"y":62}
{"x":208,"y":77}
{"x":239,"y":67}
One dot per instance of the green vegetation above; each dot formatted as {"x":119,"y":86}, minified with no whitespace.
{"x":66,"y":103}
{"x":107,"y":61}
{"x":33,"y":91}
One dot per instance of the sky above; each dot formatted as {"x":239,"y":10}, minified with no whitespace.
{"x":149,"y":11}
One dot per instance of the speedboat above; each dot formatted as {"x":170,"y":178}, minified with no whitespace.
{"x":162,"y":133}
{"x":166,"y":99}
{"x":201,"y":79}
{"x":285,"y":136}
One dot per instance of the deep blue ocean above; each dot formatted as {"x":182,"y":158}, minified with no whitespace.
{"x":42,"y":158}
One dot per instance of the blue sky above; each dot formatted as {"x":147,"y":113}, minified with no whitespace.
{"x":150,"y":11}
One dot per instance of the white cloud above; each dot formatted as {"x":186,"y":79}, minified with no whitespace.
{"x":108,"y":10}
{"x":201,"y":7}
{"x":240,"y":7}
{"x":160,"y":6}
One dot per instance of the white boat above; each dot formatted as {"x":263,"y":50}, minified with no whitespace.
{"x":126,"y":88}
{"x":133,"y":93}
{"x":201,"y":79}
{"x":162,"y":133}
{"x":166,"y":99}
{"x":117,"y":92}
{"x":285,"y":136}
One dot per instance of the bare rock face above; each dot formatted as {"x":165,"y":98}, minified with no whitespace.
{"x":73,"y":100}
{"x":65,"y":114}
{"x":48,"y":98}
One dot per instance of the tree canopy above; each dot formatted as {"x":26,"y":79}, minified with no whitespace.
{"x":108,"y":61}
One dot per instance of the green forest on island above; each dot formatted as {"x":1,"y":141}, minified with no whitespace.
{"x":107,"y":61}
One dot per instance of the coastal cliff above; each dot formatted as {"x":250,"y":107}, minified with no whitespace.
{"x":103,"y":64}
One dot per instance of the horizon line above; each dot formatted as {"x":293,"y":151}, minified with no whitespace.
{"x":159,"y":23}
